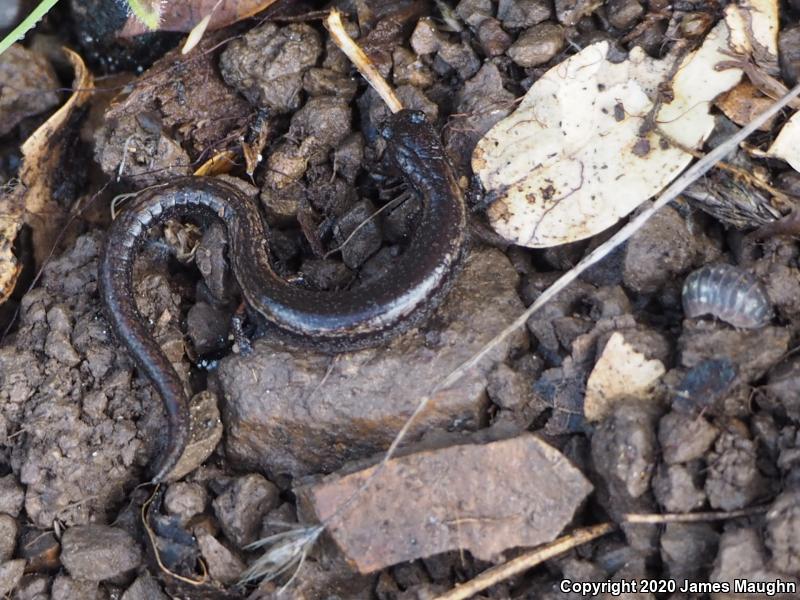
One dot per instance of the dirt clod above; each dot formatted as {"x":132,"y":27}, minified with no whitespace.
{"x":10,"y":575}
{"x":8,"y":537}
{"x":733,"y":479}
{"x":677,"y":489}
{"x":185,"y":500}
{"x":688,"y":548}
{"x":685,"y":437}
{"x":783,"y":532}
{"x":11,"y":495}
{"x":223,"y":565}
{"x":68,"y":588}
{"x":268,"y":63}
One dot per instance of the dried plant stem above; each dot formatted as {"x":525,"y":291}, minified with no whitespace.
{"x":526,"y":561}
{"x":334,"y":24}
{"x":695,"y":517}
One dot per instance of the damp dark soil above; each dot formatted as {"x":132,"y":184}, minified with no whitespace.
{"x":271,"y":105}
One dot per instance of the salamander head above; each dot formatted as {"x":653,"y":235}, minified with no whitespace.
{"x":411,"y":139}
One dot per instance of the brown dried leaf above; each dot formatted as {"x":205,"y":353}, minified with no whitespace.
{"x":183,"y":16}
{"x":219,"y":164}
{"x":31,"y":201}
{"x":744,"y":102}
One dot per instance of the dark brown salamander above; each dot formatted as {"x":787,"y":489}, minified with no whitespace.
{"x":334,"y":321}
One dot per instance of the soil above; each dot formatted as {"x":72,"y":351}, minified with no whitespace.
{"x":79,"y":424}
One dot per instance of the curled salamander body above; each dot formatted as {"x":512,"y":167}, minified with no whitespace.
{"x":329,"y":321}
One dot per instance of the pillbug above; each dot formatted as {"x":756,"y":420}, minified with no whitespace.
{"x":728,"y":293}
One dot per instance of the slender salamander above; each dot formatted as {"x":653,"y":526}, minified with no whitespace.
{"x":328,"y":321}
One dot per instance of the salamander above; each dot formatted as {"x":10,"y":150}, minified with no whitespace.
{"x":326,"y":321}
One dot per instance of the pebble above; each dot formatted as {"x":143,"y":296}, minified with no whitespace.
{"x":67,"y":588}
{"x":623,"y":14}
{"x":241,"y":508}
{"x":144,"y":588}
{"x":537,"y":45}
{"x":11,"y":495}
{"x":474,"y":11}
{"x":520,"y":14}
{"x":185,"y":500}
{"x":10,"y":576}
{"x":207,"y":327}
{"x":493,"y":38}
{"x":223,"y":565}
{"x":98,"y":552}
{"x":8,"y":537}
{"x":327,"y":82}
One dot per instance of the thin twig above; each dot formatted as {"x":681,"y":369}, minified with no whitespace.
{"x":526,"y":561}
{"x":346,"y":44}
{"x":695,"y":517}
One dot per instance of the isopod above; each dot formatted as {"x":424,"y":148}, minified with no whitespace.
{"x":728,"y":293}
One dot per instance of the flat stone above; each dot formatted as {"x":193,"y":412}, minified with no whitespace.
{"x":98,"y":552}
{"x":299,"y":412}
{"x":471,"y":497}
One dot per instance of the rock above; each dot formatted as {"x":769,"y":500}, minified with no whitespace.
{"x":11,"y":495}
{"x":687,"y":549}
{"x":98,"y":552}
{"x":33,"y":587}
{"x":459,"y":57}
{"x":8,"y":537}
{"x":29,"y":85}
{"x":185,"y":500}
{"x":67,"y":588}
{"x":207,"y":327}
{"x":10,"y":14}
{"x":783,"y":533}
{"x":426,"y":39}
{"x":144,"y":588}
{"x":10,"y":575}
{"x":205,"y":433}
{"x":623,"y":14}
{"x":360,"y":223}
{"x":474,"y":11}
{"x":519,"y":14}
{"x":684,"y":437}
{"x":657,"y":254}
{"x":349,"y":157}
{"x":243,"y":505}
{"x":223,"y":565}
{"x":367,"y":395}
{"x":753,"y":352}
{"x":624,"y":448}
{"x":677,"y":489}
{"x":267,"y":64}
{"x":733,"y":479}
{"x":538,"y":45}
{"x":493,"y":38}
{"x":445,"y":484}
